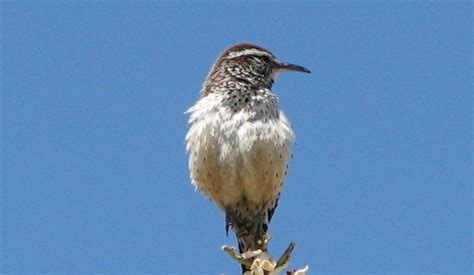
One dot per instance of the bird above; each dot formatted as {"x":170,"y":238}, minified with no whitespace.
{"x":239,"y":141}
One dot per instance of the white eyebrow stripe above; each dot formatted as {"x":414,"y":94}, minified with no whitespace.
{"x":248,"y":52}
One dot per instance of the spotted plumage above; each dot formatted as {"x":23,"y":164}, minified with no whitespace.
{"x":239,"y":140}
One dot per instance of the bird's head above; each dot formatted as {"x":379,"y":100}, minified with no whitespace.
{"x":249,"y":64}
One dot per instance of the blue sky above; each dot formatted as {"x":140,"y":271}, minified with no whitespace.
{"x":94,"y":171}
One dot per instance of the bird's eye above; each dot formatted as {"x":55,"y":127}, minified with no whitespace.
{"x":265,"y":59}
{"x":268,"y":69}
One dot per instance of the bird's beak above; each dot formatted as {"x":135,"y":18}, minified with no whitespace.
{"x":291,"y":67}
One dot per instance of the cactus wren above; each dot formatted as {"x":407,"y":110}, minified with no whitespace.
{"x":239,"y":140}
